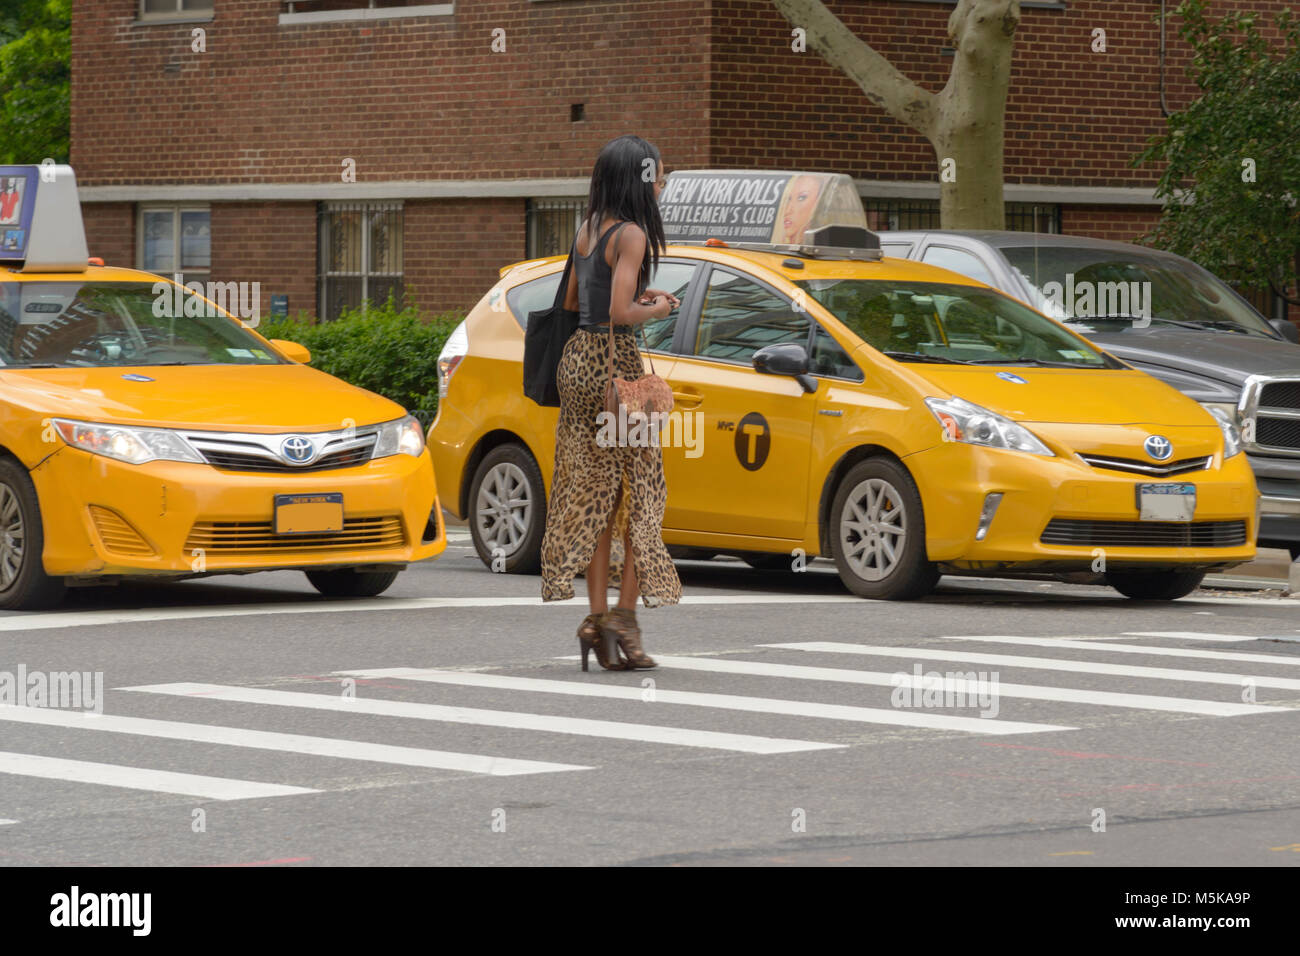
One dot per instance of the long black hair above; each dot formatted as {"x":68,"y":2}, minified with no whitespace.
{"x":623,"y":187}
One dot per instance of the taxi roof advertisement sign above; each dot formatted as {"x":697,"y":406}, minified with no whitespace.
{"x":756,"y":206}
{"x":17,"y":199}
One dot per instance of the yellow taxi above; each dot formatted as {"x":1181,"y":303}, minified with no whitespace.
{"x":899,"y":418}
{"x":145,"y":431}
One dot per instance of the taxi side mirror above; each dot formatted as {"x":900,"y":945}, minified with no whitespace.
{"x":1286,"y":329}
{"x":292,"y":351}
{"x":785,"y":358}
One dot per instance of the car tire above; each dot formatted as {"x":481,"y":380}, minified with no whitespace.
{"x":876,"y":488}
{"x":515,"y":526}
{"x":1155,"y":585}
{"x":24,"y":585}
{"x":350,"y":583}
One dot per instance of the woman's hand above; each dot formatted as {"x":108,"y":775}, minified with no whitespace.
{"x":650,"y":294}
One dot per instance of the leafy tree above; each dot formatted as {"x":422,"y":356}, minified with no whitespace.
{"x":964,"y":122}
{"x":1232,"y":181}
{"x":35,"y":46}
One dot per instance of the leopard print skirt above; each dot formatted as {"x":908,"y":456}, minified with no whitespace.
{"x":591,"y":481}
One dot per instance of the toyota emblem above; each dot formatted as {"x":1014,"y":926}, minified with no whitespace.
{"x":1158,"y":447}
{"x":297,"y":450}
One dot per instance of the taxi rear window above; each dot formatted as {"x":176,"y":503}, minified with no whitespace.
{"x":82,"y":324}
{"x":958,"y":324}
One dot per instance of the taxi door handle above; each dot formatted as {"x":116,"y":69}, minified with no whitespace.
{"x":690,"y":399}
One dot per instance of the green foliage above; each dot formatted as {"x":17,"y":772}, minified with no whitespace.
{"x":1248,"y":109}
{"x":385,"y":349}
{"x":35,"y":45}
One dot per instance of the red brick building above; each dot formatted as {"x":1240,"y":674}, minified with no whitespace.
{"x":330,"y":149}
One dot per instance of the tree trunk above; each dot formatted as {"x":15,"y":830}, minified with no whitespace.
{"x":964,"y":122}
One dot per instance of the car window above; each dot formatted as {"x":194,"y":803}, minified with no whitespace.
{"x":740,"y":316}
{"x":672,"y":276}
{"x":899,"y":250}
{"x":829,"y":359}
{"x":533,"y":296}
{"x":937,"y":321}
{"x":959,"y":261}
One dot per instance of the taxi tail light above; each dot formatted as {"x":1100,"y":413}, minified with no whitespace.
{"x":449,"y":359}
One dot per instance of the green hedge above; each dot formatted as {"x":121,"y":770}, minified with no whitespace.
{"x":389,"y":350}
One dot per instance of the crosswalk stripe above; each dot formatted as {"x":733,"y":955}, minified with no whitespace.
{"x":30,"y":621}
{"x":287,"y":743}
{"x":1145,"y":649}
{"x":1195,"y":636}
{"x":138,"y":778}
{"x":744,"y":743}
{"x":1044,"y":663}
{"x":763,"y":705}
{"x":1211,"y":708}
{"x":5,"y":823}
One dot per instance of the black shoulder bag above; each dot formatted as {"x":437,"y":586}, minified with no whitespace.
{"x":544,"y":339}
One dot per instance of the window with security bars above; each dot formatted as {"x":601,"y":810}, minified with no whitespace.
{"x":901,"y":214}
{"x":551,"y":225}
{"x":313,"y":6}
{"x":360,"y":251}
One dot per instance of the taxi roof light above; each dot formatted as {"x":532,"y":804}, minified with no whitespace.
{"x":42,"y":230}
{"x":805,"y":214}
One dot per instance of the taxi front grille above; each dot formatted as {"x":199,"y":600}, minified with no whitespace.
{"x":1133,"y":466}
{"x":1145,"y":534}
{"x":259,"y":537}
{"x":117,"y":535}
{"x":234,"y":461}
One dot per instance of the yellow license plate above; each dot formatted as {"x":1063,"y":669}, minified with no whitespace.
{"x":308,"y":514}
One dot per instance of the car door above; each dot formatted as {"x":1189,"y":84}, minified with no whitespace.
{"x":749,"y":475}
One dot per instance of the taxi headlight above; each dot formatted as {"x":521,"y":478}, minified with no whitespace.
{"x":402,"y":437}
{"x":1226,"y":416}
{"x":132,"y":445}
{"x":967,"y":422}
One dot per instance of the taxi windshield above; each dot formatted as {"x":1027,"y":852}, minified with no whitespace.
{"x":953,"y":324}
{"x":88,"y":324}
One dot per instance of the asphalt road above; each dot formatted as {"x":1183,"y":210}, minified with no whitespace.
{"x":247,"y":721}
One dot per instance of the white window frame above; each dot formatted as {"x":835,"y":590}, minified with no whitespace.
{"x":176,"y":209}
{"x":291,"y":17}
{"x":173,"y":16}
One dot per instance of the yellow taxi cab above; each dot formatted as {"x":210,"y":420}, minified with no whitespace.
{"x":145,"y":431}
{"x":899,"y":418}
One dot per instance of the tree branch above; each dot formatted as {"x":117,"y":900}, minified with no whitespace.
{"x":883,"y":84}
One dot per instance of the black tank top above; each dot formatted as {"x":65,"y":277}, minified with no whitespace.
{"x":594,"y":280}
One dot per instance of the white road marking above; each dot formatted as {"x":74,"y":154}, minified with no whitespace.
{"x":27,"y":621}
{"x":5,"y":823}
{"x":1194,"y":635}
{"x":287,"y":743}
{"x":648,"y":733}
{"x":762,"y":705}
{"x":1145,"y":649}
{"x":138,"y":778}
{"x":1045,"y":663}
{"x":724,"y":665}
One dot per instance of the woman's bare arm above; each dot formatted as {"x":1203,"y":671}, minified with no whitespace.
{"x":629,"y":250}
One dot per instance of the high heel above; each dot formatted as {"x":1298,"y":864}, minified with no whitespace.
{"x":621,"y":624}
{"x":591,"y":638}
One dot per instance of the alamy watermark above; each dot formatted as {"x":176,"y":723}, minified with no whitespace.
{"x":176,"y":299}
{"x":651,"y":430}
{"x":1087,"y":299}
{"x":65,"y":690}
{"x":932,"y":689}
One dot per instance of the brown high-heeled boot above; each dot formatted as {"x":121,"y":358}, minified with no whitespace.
{"x":621,"y":622}
{"x":591,"y":638}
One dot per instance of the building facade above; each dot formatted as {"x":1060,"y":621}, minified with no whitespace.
{"x":336,"y":150}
